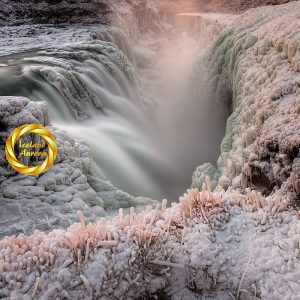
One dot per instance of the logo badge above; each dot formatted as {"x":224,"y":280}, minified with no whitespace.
{"x":36,"y":149}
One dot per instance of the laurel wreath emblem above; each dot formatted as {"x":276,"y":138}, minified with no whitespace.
{"x":13,"y":138}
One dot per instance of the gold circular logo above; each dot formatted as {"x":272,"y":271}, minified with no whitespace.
{"x":42,"y":132}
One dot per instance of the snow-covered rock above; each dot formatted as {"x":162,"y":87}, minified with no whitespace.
{"x":254,"y":65}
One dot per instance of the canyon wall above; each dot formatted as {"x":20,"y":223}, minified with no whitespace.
{"x":254,"y":66}
{"x":238,"y":6}
{"x":54,"y":12}
{"x":227,"y":6}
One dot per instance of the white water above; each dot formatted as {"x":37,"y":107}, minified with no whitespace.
{"x":144,"y":151}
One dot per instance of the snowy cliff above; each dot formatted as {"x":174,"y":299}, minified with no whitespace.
{"x":254,"y":66}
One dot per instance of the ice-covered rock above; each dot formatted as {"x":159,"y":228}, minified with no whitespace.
{"x":200,"y":174}
{"x":220,"y":245}
{"x":204,"y":27}
{"x":254,"y":65}
{"x":51,"y":200}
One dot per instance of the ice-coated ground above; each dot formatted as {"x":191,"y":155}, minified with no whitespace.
{"x":217,"y":245}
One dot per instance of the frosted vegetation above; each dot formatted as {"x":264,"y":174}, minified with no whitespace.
{"x":234,"y":235}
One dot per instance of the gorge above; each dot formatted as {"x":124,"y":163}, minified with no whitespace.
{"x":147,"y":100}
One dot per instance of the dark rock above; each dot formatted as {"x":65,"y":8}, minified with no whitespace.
{"x":54,"y":12}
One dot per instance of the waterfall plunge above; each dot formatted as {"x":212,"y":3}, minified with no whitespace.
{"x":146,"y":125}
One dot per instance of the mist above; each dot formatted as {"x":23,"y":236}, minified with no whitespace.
{"x":190,"y":124}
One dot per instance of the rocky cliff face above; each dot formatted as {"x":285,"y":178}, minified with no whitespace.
{"x":228,"y":6}
{"x":240,"y":5}
{"x":54,"y":12}
{"x":16,"y":12}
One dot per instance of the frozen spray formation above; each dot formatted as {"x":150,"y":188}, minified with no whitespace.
{"x":254,"y":66}
{"x":219,"y":244}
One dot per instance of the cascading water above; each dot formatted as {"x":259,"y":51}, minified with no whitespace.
{"x":138,"y":111}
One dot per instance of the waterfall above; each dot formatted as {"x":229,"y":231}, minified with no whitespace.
{"x":93,"y":92}
{"x":131,"y":100}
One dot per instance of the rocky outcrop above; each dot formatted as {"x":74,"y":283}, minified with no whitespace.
{"x":51,"y":200}
{"x":54,"y":12}
{"x":84,"y":12}
{"x":254,"y":64}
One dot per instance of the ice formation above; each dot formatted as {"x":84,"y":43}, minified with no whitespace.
{"x":221,"y":245}
{"x":51,"y":200}
{"x":58,"y":70}
{"x":254,"y":65}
